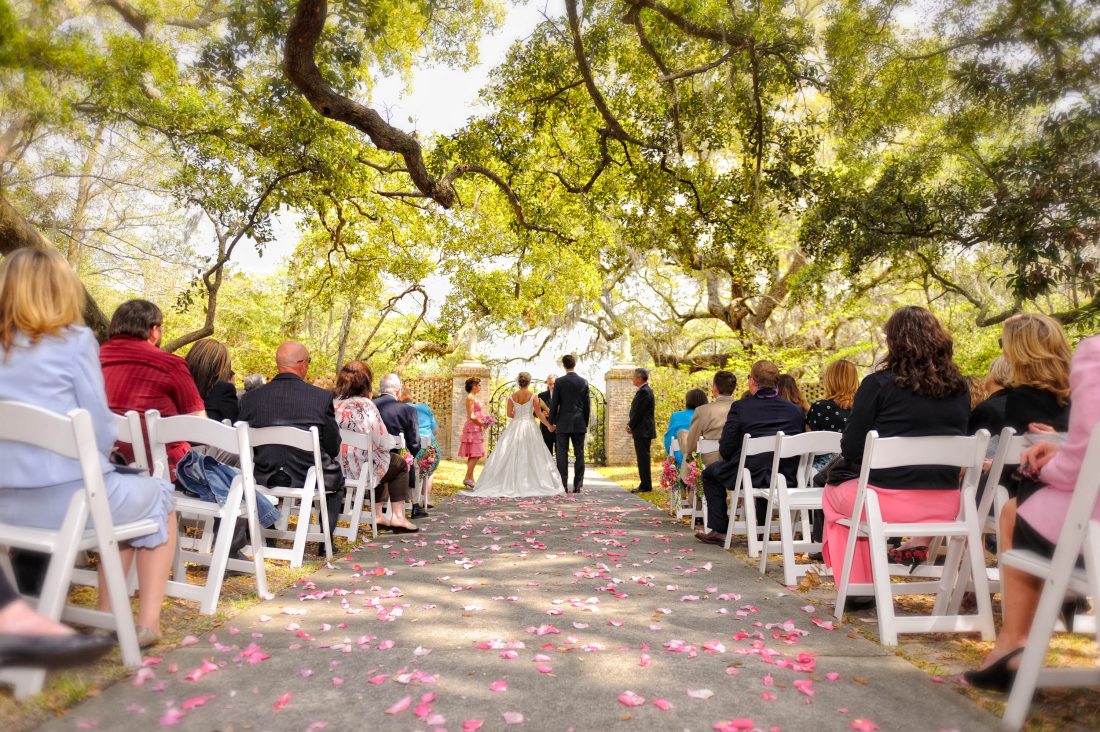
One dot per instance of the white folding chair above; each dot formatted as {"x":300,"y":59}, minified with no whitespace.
{"x":299,"y":502}
{"x":695,"y":504}
{"x":799,"y":499}
{"x":359,"y":489}
{"x":964,"y":534}
{"x":129,"y":431}
{"x":744,"y":495}
{"x":1080,"y":535}
{"x":71,"y":436}
{"x":210,"y":548}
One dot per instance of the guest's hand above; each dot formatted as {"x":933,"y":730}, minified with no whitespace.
{"x":1041,"y":429}
{"x":1039,"y":454}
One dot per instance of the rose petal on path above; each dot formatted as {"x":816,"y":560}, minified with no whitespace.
{"x":630,"y":699}
{"x":863,"y":725}
{"x":663,"y":704}
{"x":498,"y":686}
{"x":282,"y":701}
{"x":832,"y":676}
{"x":470,"y":725}
{"x":401,"y":705}
{"x":172,"y":717}
{"x":805,"y":686}
{"x":700,"y":693}
{"x":644,"y":660}
{"x":512,"y":718}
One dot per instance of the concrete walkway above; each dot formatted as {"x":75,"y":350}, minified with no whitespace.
{"x":589,"y":612}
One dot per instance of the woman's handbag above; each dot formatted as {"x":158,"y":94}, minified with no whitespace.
{"x":835,"y":472}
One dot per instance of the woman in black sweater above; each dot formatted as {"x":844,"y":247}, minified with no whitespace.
{"x":210,"y":366}
{"x":918,"y":391}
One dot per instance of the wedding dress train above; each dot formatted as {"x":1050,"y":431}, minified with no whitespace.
{"x":519,"y":466}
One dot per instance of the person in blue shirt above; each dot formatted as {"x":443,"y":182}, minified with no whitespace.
{"x":428,"y":428}
{"x":681,"y":420}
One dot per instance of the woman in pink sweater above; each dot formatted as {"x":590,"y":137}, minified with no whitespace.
{"x":1041,"y":515}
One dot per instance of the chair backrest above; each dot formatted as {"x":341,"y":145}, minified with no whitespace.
{"x":805,"y":446}
{"x":189,"y":428}
{"x":1009,"y":447}
{"x":752,"y":446}
{"x":957,"y":451}
{"x":308,"y":440}
{"x":71,"y":436}
{"x":359,"y":441}
{"x":397,"y":442}
{"x":129,"y":432}
{"x":706,"y":446}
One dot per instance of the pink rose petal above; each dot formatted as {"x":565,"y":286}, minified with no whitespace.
{"x":700,"y":693}
{"x":663,"y":704}
{"x":172,"y":717}
{"x":630,"y":699}
{"x":498,"y":686}
{"x":282,"y":701}
{"x":401,"y":705}
{"x":863,"y":725}
{"x":513,"y":718}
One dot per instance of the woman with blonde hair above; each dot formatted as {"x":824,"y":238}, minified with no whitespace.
{"x":48,"y":358}
{"x":840,"y":381}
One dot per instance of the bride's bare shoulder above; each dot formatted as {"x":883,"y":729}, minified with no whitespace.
{"x":521,"y":397}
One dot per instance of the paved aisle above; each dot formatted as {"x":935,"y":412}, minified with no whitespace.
{"x":551,"y":614}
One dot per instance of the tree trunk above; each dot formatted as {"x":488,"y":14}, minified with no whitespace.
{"x":16,"y":232}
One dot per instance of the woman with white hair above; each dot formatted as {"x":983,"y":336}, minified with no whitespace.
{"x":520,"y":466}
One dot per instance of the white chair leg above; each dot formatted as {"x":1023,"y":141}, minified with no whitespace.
{"x":259,"y":545}
{"x":880,"y":573}
{"x":766,"y":544}
{"x":786,"y":535}
{"x":752,"y":531}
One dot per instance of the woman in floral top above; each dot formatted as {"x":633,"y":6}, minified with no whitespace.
{"x":356,"y":412}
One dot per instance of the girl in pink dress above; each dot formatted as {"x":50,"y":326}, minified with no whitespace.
{"x":472,"y":446}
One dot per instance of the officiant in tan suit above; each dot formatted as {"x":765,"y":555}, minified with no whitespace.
{"x":709,"y":419}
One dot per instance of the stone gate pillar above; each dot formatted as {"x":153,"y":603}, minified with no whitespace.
{"x":620,"y":392}
{"x":472,"y":366}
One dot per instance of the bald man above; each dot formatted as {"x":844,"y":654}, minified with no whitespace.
{"x":287,"y":400}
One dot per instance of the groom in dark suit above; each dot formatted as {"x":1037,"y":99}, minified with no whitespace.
{"x":570,"y":407}
{"x":546,"y":397}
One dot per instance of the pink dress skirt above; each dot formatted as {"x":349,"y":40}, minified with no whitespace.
{"x":472,"y":443}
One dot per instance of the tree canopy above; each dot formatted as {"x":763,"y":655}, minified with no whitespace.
{"x":720,"y":178}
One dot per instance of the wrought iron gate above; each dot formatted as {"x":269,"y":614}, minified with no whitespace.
{"x":595,"y":444}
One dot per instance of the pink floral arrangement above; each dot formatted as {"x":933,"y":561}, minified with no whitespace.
{"x":670,"y":474}
{"x":426,"y":460}
{"x":490,"y":420}
{"x":694,"y":470}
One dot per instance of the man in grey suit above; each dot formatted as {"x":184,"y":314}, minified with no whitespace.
{"x":570,"y":408}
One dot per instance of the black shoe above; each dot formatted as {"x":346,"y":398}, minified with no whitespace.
{"x":856,"y":604}
{"x":52,"y":651}
{"x":817,"y":557}
{"x":418,"y":511}
{"x":576,"y":489}
{"x":639,"y":489}
{"x":996,"y":677}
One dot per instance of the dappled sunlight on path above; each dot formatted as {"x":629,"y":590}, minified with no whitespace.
{"x":585,"y":612}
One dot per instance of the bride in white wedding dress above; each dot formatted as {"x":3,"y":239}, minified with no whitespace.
{"x":520,"y":465}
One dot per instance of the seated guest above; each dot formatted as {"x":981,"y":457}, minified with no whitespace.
{"x":428,"y":428}
{"x":211,"y":368}
{"x":288,"y":401}
{"x":401,"y":419}
{"x":708,"y":419}
{"x":254,"y":381}
{"x":975,"y":385}
{"x":990,"y":413}
{"x":762,"y":414}
{"x":917,"y":391}
{"x":1041,"y":516}
{"x":140,"y":376}
{"x":681,"y":420}
{"x":356,"y":412}
{"x":48,"y":359}
{"x":830,"y":414}
{"x":792,"y":392}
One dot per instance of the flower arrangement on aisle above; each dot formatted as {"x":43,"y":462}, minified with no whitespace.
{"x":670,"y":481}
{"x":427,"y":460}
{"x":693,"y":480}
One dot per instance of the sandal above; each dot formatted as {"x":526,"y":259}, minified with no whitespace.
{"x":910,"y":556}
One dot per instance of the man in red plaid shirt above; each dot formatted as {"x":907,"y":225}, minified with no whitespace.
{"x":140,"y":376}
